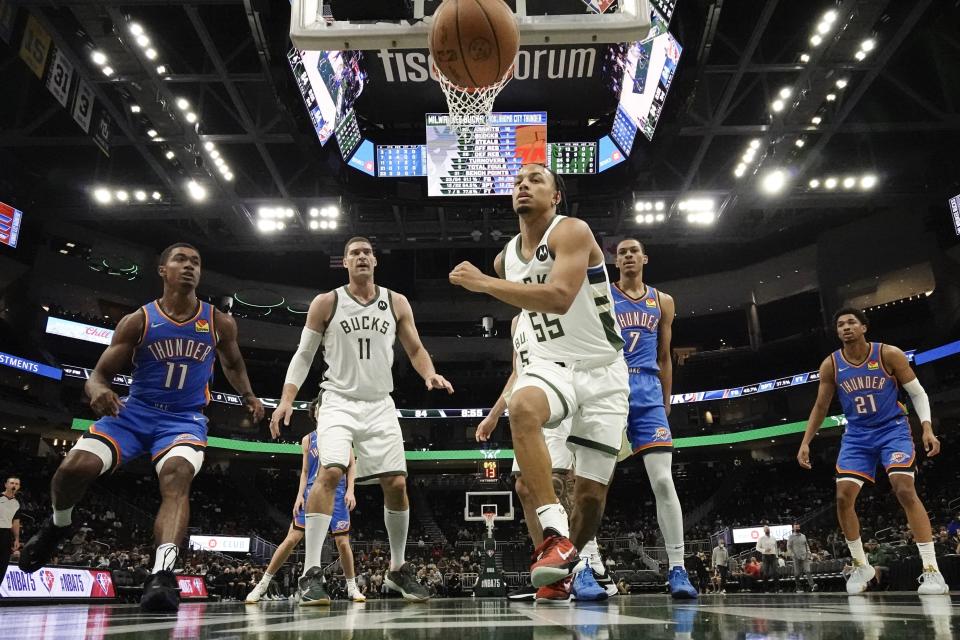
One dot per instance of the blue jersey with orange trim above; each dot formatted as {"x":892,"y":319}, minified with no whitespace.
{"x":868,"y":394}
{"x":313,"y":460}
{"x":173,"y":364}
{"x":639,"y":321}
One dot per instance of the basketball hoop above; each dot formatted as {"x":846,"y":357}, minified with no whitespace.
{"x":470,"y":107}
{"x":488,"y":519}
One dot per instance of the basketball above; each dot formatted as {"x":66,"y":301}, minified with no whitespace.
{"x":474,"y":42}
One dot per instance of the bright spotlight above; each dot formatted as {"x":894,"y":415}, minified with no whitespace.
{"x":755,"y":143}
{"x":860,"y":56}
{"x":831,"y":97}
{"x":740,"y":170}
{"x":134,"y":108}
{"x":799,"y":143}
{"x":156,"y":195}
{"x":638,"y":218}
{"x":816,"y":120}
{"x":183,"y":104}
{"x":107,"y":71}
{"x":162,"y":69}
{"x":143,"y":41}
{"x":228,"y":176}
{"x":325,"y":224}
{"x":841,"y":83}
{"x":830,"y":183}
{"x":141,"y":196}
{"x":197,"y":192}
{"x":777,"y":106}
{"x":314,"y":212}
{"x":209,"y":146}
{"x":151,"y":54}
{"x":169,"y":155}
{"x":101,"y":195}
{"x":774,"y":181}
{"x":122,"y":195}
{"x":814,"y":183}
{"x":823,"y":28}
{"x":648,"y":218}
{"x":659,"y":205}
{"x":660,"y":217}
{"x":786,"y":92}
{"x":266,"y":225}
{"x":815,"y":40}
{"x":333,"y":225}
{"x":314,"y":225}
{"x":191,"y":117}
{"x":804,"y":57}
{"x":830,"y":16}
{"x":152,"y":133}
{"x":868,"y":45}
{"x":868,"y":181}
{"x":637,"y":206}
{"x":99,"y":58}
{"x":849,"y":182}
{"x":135,"y":28}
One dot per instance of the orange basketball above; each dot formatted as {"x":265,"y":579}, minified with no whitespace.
{"x":474,"y":42}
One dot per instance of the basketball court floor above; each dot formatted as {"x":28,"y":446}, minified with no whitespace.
{"x":808,"y":617}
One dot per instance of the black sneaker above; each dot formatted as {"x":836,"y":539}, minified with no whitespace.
{"x":39,"y":549}
{"x":528,"y":592}
{"x":406,"y":583}
{"x":160,"y":593}
{"x":311,"y":588}
{"x":606,"y":583}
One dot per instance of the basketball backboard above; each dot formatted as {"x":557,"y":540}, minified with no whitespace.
{"x":477,"y":503}
{"x":314,"y":28}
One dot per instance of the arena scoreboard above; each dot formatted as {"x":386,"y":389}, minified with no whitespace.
{"x":624,"y":131}
{"x":348,"y":135}
{"x":572,"y":157}
{"x":489,"y":470}
{"x":482,"y":158}
{"x":401,"y":160}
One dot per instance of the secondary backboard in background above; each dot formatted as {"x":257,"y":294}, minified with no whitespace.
{"x":477,"y":503}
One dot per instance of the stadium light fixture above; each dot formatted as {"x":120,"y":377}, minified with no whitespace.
{"x":773,"y":181}
{"x":102,"y":195}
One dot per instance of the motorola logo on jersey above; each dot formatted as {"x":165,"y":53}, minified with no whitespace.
{"x":542,"y":252}
{"x":382,"y":305}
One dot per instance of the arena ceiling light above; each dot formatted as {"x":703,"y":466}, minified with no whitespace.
{"x":650,"y":218}
{"x":99,"y":58}
{"x":121,"y":195}
{"x":102,"y":195}
{"x":161,"y":69}
{"x":814,"y":183}
{"x":156,"y":195}
{"x":152,"y":133}
{"x":777,"y":105}
{"x":842,"y":83}
{"x":868,"y":181}
{"x":866,"y":47}
{"x":785,"y":92}
{"x":135,"y":29}
{"x":849,"y":182}
{"x":183,"y":104}
{"x":830,"y":183}
{"x":831,"y":97}
{"x":169,"y":155}
{"x":107,"y":71}
{"x":702,"y":218}
{"x":134,"y":108}
{"x":815,"y":120}
{"x":197,"y":192}
{"x":799,"y":142}
{"x":773,"y":181}
{"x":697,"y":205}
{"x":140,"y":195}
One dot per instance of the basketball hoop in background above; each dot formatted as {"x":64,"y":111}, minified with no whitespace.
{"x":473,"y":44}
{"x":488,"y":518}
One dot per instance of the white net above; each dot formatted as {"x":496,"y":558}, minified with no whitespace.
{"x":470,"y":107}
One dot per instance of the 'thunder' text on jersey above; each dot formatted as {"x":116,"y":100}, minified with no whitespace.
{"x":639,"y":321}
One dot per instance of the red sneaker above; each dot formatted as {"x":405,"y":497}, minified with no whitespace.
{"x":556,"y":593}
{"x":553,"y":560}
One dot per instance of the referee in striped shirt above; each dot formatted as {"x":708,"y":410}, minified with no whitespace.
{"x":9,"y":522}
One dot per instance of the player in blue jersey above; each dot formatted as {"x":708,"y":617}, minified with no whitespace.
{"x":343,"y":503}
{"x":172,"y":343}
{"x":645,"y":316}
{"x":867,"y":377}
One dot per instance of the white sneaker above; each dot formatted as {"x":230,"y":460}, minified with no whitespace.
{"x":254,"y":596}
{"x":859,"y":576}
{"x":356,"y":596}
{"x":932,"y":583}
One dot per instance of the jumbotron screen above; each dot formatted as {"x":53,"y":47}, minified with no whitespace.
{"x":646,"y":81}
{"x":482,"y":159}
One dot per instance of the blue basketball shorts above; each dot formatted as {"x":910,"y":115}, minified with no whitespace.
{"x":141,"y":428}
{"x":890,"y":445}
{"x":340,"y":523}
{"x":647,"y":428}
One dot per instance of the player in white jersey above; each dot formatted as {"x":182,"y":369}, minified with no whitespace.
{"x":554,"y":271}
{"x":357,"y":325}
{"x":561,"y":463}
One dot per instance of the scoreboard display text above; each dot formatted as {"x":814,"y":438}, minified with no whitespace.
{"x":572,"y":157}
{"x":482,"y":158}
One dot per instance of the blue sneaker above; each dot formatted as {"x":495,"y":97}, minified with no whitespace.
{"x":585,"y":587}
{"x":680,"y":587}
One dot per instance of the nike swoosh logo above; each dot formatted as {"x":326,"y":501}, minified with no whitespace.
{"x":154,"y":325}
{"x":565,"y":555}
{"x":843,"y":368}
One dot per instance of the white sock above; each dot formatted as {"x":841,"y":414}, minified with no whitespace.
{"x":351,"y":586}
{"x":669,"y":513}
{"x":314,"y":531}
{"x":166,"y":557}
{"x":553,"y":516}
{"x":856,"y":551}
{"x":265,"y":580}
{"x":928,"y":557}
{"x":590,"y":552}
{"x":397,"y":523}
{"x":62,"y":517}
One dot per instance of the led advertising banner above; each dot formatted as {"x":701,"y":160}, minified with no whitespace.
{"x":58,"y":583}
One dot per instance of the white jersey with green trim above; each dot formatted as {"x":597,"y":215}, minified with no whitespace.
{"x":358,"y":346}
{"x":521,"y":343}
{"x":588,"y":330}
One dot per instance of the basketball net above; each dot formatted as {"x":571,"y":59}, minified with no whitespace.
{"x":488,"y":518}
{"x":470,"y":107}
